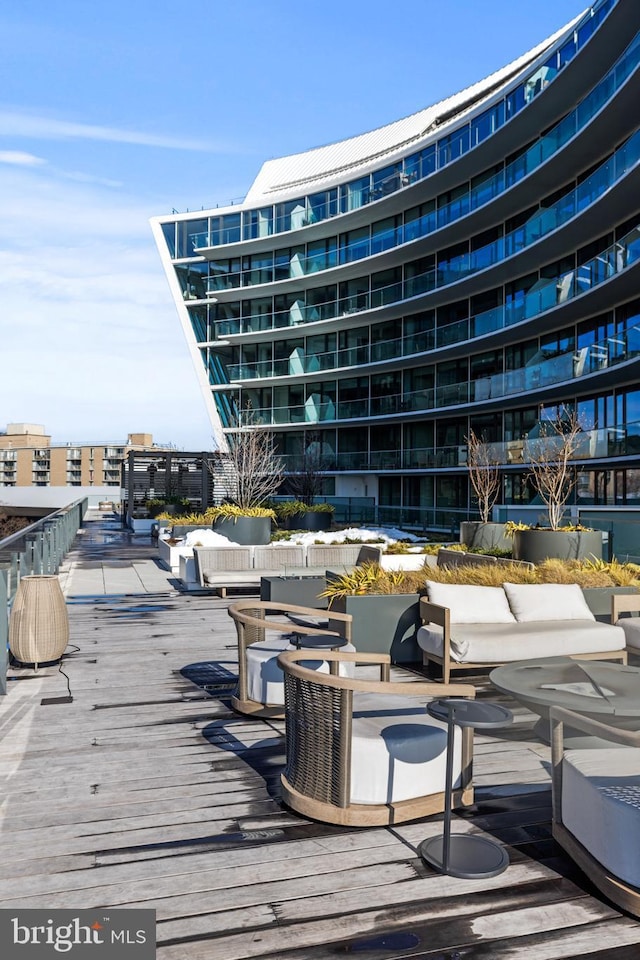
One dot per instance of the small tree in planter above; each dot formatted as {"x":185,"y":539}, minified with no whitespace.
{"x":550,"y":456}
{"x":257,"y":471}
{"x":486,"y":480}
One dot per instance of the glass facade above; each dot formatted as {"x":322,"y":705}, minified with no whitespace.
{"x":387,"y":315}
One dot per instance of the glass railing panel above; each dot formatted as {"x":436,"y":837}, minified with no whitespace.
{"x":347,"y":409}
{"x":367,"y":190}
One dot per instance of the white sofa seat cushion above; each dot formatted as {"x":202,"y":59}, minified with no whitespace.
{"x":398,"y":752}
{"x":601,"y":806}
{"x":503,"y":642}
{"x":631,"y":627}
{"x":265,"y":679}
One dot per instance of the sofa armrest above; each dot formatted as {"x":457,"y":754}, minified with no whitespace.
{"x":624,"y":603}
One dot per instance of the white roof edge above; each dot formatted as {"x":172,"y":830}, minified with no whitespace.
{"x":323,"y":166}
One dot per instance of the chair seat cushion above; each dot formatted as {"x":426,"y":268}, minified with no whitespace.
{"x":505,"y":642}
{"x":398,"y":752}
{"x":265,"y":679}
{"x":601,"y":806}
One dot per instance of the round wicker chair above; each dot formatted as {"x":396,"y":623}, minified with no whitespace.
{"x":264,"y":631}
{"x":366,"y":752}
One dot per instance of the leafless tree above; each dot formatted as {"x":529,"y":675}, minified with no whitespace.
{"x":484,"y":473}
{"x":307,"y":479}
{"x":550,"y":455}
{"x":256,"y":468}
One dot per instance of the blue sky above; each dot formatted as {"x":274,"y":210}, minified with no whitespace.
{"x":113,"y":113}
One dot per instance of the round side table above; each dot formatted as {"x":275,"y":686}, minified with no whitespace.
{"x":467,"y":856}
{"x":317,"y":641}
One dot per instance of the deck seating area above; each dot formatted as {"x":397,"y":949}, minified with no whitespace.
{"x":148,"y":790}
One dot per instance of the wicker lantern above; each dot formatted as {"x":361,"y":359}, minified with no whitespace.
{"x":39,"y":623}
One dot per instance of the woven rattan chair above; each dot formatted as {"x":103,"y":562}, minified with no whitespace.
{"x":366,"y":752}
{"x":263,"y":633}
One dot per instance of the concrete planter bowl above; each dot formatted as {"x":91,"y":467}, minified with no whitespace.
{"x":312,"y":520}
{"x":477,"y":535}
{"x":244,"y":530}
{"x":538,"y":545}
{"x":384,"y":623}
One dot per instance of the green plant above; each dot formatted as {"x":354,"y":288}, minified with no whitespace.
{"x":289,"y":508}
{"x":370,"y":578}
{"x":231,"y":511}
{"x":511,"y":526}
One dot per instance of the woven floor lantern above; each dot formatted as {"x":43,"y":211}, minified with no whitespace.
{"x":39,"y":623}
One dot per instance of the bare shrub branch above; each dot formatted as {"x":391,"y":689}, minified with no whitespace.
{"x":257,"y":467}
{"x":550,"y":456}
{"x":484,"y":473}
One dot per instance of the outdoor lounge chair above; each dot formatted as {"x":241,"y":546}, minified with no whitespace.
{"x":263,"y":633}
{"x":596,"y":804}
{"x":366,"y":752}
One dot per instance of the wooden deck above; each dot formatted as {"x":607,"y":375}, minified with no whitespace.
{"x":146,"y":790}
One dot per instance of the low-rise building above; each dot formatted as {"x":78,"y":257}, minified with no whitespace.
{"x":29,"y":459}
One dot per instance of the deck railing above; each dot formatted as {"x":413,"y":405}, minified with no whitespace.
{"x":37,"y":549}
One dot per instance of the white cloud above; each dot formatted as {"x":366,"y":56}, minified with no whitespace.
{"x":19,"y":159}
{"x":91,"y":343}
{"x":16,"y":123}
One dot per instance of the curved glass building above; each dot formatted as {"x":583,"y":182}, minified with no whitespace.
{"x":473,"y":266}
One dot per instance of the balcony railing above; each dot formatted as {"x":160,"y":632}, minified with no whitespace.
{"x":477,"y":196}
{"x":598,"y":444}
{"x":266,"y":221}
{"x":538,"y":226}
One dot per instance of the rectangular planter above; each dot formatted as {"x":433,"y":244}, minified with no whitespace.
{"x":599,"y":600}
{"x":170,"y":554}
{"x":302,"y":591}
{"x":384,"y":624}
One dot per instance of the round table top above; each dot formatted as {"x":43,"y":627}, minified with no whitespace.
{"x":317,"y":641}
{"x":470,"y":713}
{"x":586,"y":686}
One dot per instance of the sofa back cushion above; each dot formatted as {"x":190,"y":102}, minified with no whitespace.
{"x":471,"y":604}
{"x":547,"y":601}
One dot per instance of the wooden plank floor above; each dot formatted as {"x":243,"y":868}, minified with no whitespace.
{"x":147,"y":790}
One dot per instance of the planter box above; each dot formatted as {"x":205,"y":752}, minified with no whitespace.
{"x":309,"y":520}
{"x":599,"y":600}
{"x":182,"y":529}
{"x":535,"y":546}
{"x":302,"y":591}
{"x":384,"y":624}
{"x":244,"y":530}
{"x":477,"y":535}
{"x":405,"y":561}
{"x":170,"y":554}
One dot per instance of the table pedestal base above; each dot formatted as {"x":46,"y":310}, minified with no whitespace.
{"x":470,"y":857}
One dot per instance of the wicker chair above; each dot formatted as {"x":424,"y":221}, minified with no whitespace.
{"x":260,"y":691}
{"x":596,"y":803}
{"x":366,"y":752}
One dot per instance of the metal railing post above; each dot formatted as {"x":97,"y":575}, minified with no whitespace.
{"x":4,"y":630}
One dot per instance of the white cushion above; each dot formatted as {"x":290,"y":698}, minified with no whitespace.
{"x":504,"y":643}
{"x":601,"y":806}
{"x":398,"y":752}
{"x":547,"y":601}
{"x":470,"y":603}
{"x":265,"y":679}
{"x":631,"y":627}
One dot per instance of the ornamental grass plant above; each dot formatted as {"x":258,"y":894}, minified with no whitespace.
{"x":370,"y":578}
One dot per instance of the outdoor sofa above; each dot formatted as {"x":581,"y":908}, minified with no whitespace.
{"x":468,"y":626}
